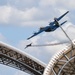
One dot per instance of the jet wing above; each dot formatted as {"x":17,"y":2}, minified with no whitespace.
{"x":45,"y":28}
{"x":34,"y":35}
{"x":62,"y":16}
{"x":52,"y":23}
{"x":40,"y":31}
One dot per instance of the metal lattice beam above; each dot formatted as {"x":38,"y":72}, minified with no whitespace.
{"x":21,"y":62}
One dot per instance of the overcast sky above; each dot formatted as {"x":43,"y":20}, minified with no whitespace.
{"x":19,"y":19}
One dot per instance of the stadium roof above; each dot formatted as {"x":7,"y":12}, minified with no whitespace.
{"x":62,"y":63}
{"x":20,"y":60}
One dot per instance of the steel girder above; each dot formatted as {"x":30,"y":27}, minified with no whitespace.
{"x":16,"y":60}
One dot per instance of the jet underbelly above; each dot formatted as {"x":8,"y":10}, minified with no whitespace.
{"x":48,"y":30}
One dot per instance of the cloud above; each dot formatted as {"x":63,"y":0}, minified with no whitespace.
{"x":70,"y":5}
{"x":11,"y":15}
{"x":58,"y":4}
{"x":36,"y":15}
{"x":23,"y":4}
{"x":47,"y":3}
{"x":4,"y":14}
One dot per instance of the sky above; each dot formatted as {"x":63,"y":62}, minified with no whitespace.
{"x":19,"y":19}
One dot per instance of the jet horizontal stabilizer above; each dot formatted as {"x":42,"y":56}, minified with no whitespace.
{"x":63,"y":22}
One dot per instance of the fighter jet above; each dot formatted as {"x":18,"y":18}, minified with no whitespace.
{"x":51,"y":27}
{"x":28,"y":45}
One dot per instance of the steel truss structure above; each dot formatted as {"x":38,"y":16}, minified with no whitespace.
{"x":17,"y":60}
{"x":63,"y":63}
